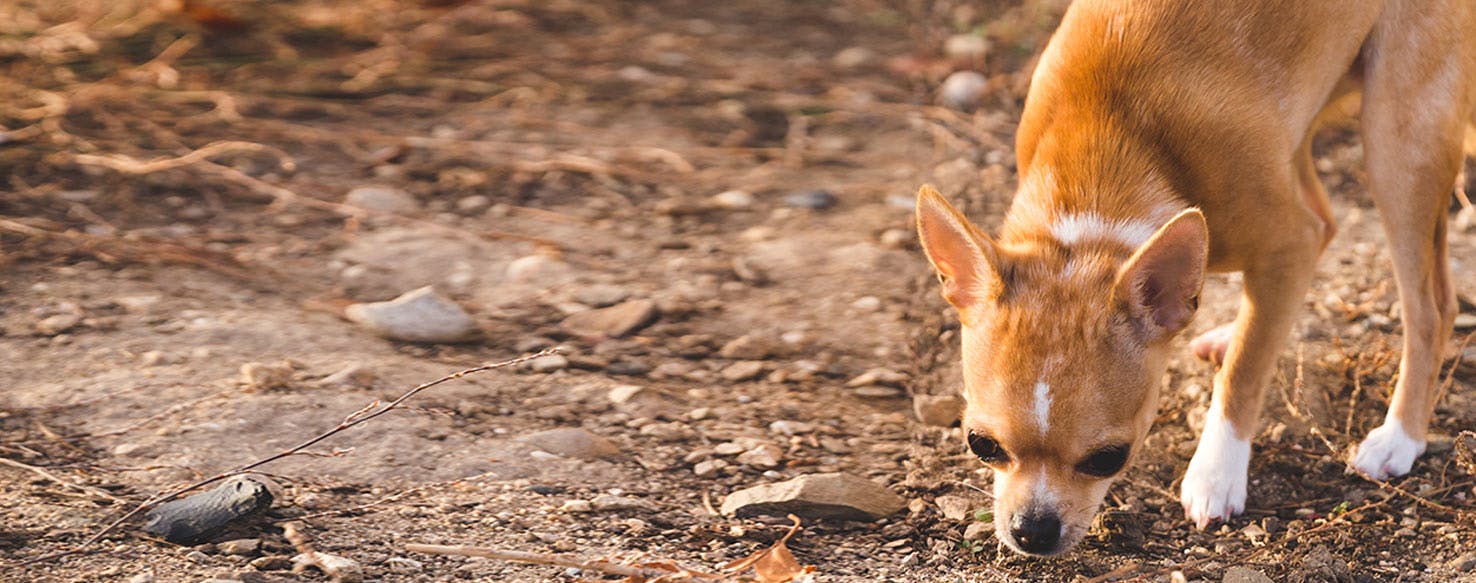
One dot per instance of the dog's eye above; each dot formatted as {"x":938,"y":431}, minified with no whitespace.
{"x":987,"y":449}
{"x":1104,"y":462}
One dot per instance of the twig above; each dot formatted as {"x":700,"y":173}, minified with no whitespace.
{"x":129,"y":165}
{"x":62,"y":481}
{"x":356,"y":418}
{"x":559,"y":561}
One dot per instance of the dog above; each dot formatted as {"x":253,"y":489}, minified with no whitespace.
{"x":1161,"y":140}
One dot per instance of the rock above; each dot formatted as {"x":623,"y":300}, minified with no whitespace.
{"x":549,"y":363}
{"x":963,"y":90}
{"x":474,"y":204}
{"x":955,"y":508}
{"x":572,"y":442}
{"x":601,"y":295}
{"x":144,"y":577}
{"x":896,"y":238}
{"x":404,"y":566}
{"x":979,"y":531}
{"x":968,"y":48}
{"x":853,"y":57}
{"x":747,"y":347}
{"x":576,"y":506}
{"x":354,"y":375}
{"x":613,"y":322}
{"x":199,"y":517}
{"x":272,"y":563}
{"x":417,"y":316}
{"x":786,"y":427}
{"x":339,"y":569}
{"x":1320,"y":566}
{"x":811,"y":199}
{"x":937,"y":410}
{"x":1244,"y":575}
{"x":763,"y":457}
{"x":257,"y":376}
{"x":539,"y":269}
{"x":240,"y":546}
{"x":817,"y":496}
{"x":158,"y":357}
{"x":877,"y":392}
{"x":638,"y":401}
{"x":707,"y":468}
{"x":669,"y":432}
{"x":1463,"y":564}
{"x":733,"y":199}
{"x":382,"y":198}
{"x":53,"y":325}
{"x":879,"y":376}
{"x":611,"y":502}
{"x":743,"y":370}
{"x":867,"y":303}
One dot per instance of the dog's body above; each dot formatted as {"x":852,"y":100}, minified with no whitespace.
{"x":1160,"y":139}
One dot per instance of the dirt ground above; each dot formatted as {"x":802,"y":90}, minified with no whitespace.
{"x":565,"y":154}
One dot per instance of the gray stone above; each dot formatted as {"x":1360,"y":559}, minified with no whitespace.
{"x":612,"y":322}
{"x":748,"y":347}
{"x":539,"y":269}
{"x":963,"y":90}
{"x":817,"y":496}
{"x":639,"y":401}
{"x":966,"y":47}
{"x":763,"y":457}
{"x":404,"y":566}
{"x":979,"y":531}
{"x":53,"y":325}
{"x":382,"y":198}
{"x":601,"y":295}
{"x":955,"y":507}
{"x":708,"y":467}
{"x":340,"y":569}
{"x":1244,"y":575}
{"x":743,"y":370}
{"x":1463,"y":564}
{"x":572,"y":442}
{"x":199,"y":517}
{"x":811,"y":199}
{"x":417,"y":316}
{"x":611,"y":502}
{"x":937,"y":410}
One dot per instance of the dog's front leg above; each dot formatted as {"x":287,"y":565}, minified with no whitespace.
{"x":1275,"y":282}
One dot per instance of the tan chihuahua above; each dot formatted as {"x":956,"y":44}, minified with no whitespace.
{"x":1162,"y":139}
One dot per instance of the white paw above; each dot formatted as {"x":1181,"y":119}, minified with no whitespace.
{"x":1214,"y":486}
{"x":1387,"y":452}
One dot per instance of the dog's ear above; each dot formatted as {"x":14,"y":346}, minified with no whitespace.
{"x":965,"y":259}
{"x":1159,"y":285}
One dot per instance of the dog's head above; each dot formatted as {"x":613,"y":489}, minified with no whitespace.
{"x":1064,"y":347}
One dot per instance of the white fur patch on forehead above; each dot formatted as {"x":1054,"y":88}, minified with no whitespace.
{"x":1042,"y":407}
{"x":1073,"y":228}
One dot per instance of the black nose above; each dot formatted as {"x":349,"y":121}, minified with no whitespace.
{"x":1036,"y":533}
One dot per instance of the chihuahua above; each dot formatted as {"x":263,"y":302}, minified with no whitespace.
{"x":1161,"y":140}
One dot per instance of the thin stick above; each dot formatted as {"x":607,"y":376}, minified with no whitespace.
{"x":358,"y":417}
{"x":59,"y":480}
{"x":558,"y":561}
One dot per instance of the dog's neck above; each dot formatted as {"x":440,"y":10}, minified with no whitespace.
{"x":1088,"y":180}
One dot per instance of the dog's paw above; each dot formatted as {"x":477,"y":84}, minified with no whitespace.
{"x":1214,"y":486}
{"x":1387,"y":452}
{"x":1211,"y":345}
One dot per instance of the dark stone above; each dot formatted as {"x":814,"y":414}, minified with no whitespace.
{"x":197,"y":518}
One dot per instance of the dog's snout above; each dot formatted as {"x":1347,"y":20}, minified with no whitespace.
{"x":1036,"y":532}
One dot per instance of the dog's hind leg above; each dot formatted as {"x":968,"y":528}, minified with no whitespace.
{"x":1418,"y":97}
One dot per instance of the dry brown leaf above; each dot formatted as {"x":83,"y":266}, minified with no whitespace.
{"x":774,"y":564}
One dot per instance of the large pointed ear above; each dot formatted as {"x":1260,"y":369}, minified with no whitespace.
{"x":965,"y":258}
{"x":1160,"y":283}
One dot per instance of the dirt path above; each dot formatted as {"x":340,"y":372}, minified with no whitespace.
{"x":747,"y":167}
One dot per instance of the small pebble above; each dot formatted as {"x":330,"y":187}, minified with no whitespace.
{"x":382,"y":198}
{"x":733,"y":199}
{"x":963,"y":90}
{"x":811,"y":199}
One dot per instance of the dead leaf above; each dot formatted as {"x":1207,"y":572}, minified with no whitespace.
{"x":774,"y":564}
